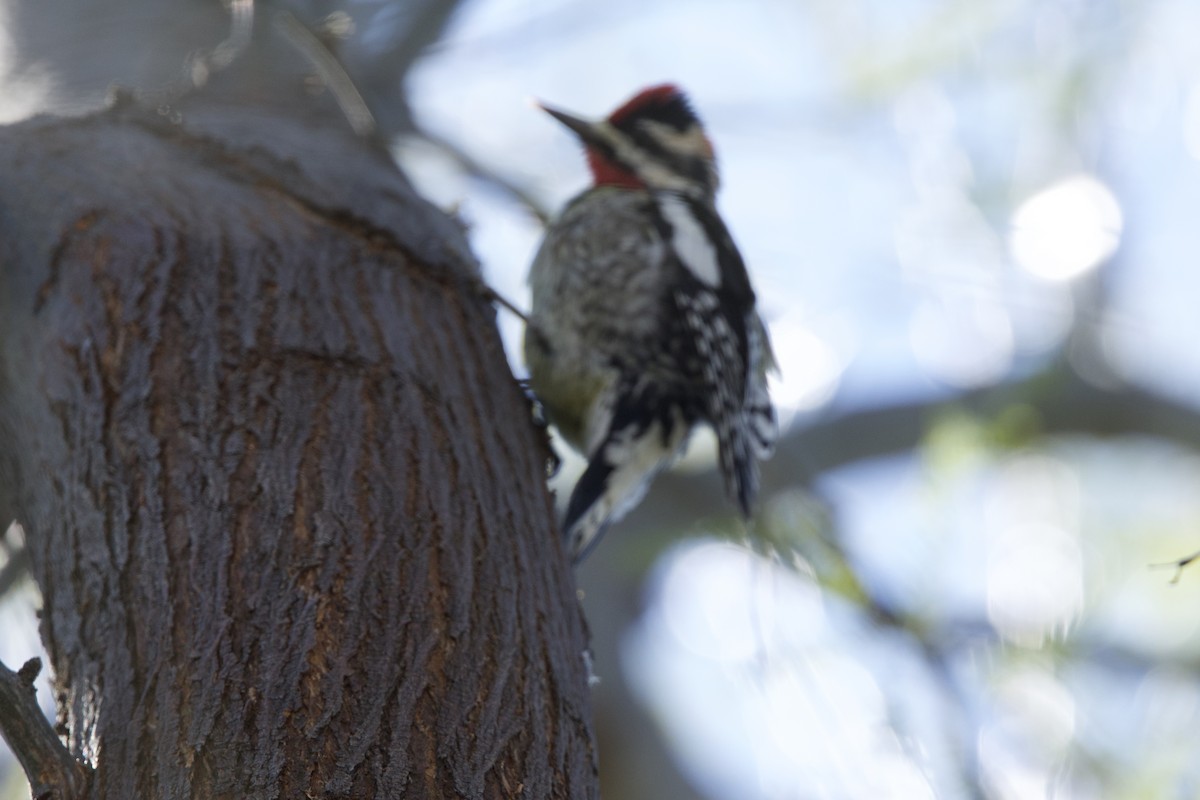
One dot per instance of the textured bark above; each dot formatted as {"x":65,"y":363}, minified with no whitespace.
{"x":283,"y":498}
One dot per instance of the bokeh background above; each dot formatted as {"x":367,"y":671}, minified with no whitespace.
{"x":974,"y":228}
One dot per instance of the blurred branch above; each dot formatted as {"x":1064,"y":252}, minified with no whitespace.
{"x":331,"y":72}
{"x":380,"y":75}
{"x":54,"y":774}
{"x":241,"y":29}
{"x":1178,"y":566}
{"x":480,"y":171}
{"x":1061,"y":401}
{"x":427,"y":20}
{"x":1058,"y":399}
{"x":14,"y":569}
{"x":952,"y":632}
{"x":947,"y":637}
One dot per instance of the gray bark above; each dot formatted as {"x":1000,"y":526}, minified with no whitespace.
{"x":284,"y":501}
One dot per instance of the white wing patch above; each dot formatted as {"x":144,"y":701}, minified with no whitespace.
{"x":690,"y":241}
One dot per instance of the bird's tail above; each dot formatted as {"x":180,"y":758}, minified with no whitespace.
{"x":746,"y":436}
{"x":635,"y":448}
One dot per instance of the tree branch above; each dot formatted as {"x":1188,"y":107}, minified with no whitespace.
{"x":331,"y":71}
{"x":380,"y":74}
{"x":1178,"y":565}
{"x":54,"y":774}
{"x":1060,"y":402}
{"x":480,"y":171}
{"x":13,"y":570}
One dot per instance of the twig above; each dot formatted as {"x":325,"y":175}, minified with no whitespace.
{"x":478,"y":170}
{"x":241,"y":28}
{"x":53,"y":773}
{"x":200,"y":66}
{"x":1177,"y":565}
{"x":493,"y":296}
{"x":14,"y":569}
{"x":331,"y":71}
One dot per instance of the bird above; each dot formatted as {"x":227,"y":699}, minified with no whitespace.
{"x":643,"y":323}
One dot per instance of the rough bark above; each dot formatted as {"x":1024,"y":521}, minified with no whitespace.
{"x":284,"y":502}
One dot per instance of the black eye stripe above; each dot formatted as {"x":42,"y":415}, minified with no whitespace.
{"x":689,"y":166}
{"x":647,"y":142}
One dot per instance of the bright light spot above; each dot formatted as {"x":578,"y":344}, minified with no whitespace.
{"x":1035,"y":706}
{"x":1067,"y":229}
{"x":1034,"y":583}
{"x":777,"y":692}
{"x":1022,"y":745}
{"x":828,"y":717}
{"x":823,"y":686}
{"x":809,"y":369}
{"x":720,"y":602}
{"x":964,"y":343}
{"x":1006,"y":776}
{"x":1035,"y":561}
{"x":1033,"y":488}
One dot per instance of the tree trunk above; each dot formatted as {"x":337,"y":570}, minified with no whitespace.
{"x":284,"y":500}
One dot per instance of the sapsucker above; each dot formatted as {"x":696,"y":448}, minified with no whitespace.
{"x":644,"y":322}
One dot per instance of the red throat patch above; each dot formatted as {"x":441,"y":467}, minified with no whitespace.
{"x":606,"y":173}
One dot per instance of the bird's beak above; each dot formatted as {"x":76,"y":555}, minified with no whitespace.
{"x":583,"y":129}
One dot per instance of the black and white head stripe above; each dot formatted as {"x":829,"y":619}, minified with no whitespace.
{"x":656,"y":137}
{"x":660,"y":121}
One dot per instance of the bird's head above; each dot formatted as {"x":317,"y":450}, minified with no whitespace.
{"x":653,"y":141}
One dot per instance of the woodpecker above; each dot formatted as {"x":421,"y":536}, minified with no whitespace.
{"x":643,"y":323}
